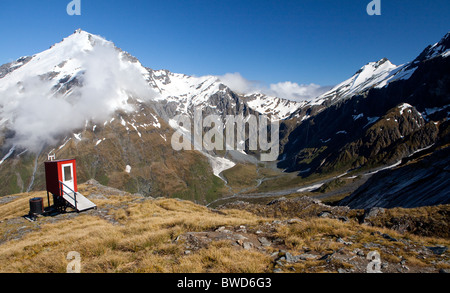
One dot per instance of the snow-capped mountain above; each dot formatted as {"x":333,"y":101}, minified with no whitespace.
{"x":277,"y":108}
{"x":182,"y":94}
{"x":52,"y":93}
{"x":441,"y":48}
{"x":381,"y":115}
{"x":380,"y":74}
{"x":370,"y":75}
{"x":84,"y":96}
{"x":85,"y":62}
{"x":87,"y":78}
{"x":66,"y":63}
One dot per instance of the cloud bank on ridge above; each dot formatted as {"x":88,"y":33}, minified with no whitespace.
{"x":286,"y":90}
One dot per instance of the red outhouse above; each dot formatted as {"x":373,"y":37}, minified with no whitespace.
{"x":61,"y":180}
{"x":62,"y":171}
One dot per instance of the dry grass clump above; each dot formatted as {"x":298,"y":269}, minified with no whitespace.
{"x":133,"y":234}
{"x":19,"y":205}
{"x":324,"y":235}
{"x":140,"y":240}
{"x":425,"y":221}
{"x":219,"y":257}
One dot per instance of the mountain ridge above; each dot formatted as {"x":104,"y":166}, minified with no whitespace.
{"x":380,"y":115}
{"x":382,"y":125}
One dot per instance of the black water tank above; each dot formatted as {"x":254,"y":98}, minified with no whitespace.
{"x":36,"y":206}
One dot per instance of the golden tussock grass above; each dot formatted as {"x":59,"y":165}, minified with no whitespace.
{"x":140,"y":241}
{"x":320,"y":234}
{"x":137,"y":235}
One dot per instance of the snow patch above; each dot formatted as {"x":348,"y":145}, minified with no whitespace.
{"x":219,"y":164}
{"x":77,"y":136}
{"x":11,"y":151}
{"x":422,"y":149}
{"x":99,"y":141}
{"x":64,"y":144}
{"x":156,"y":123}
{"x":135,"y":128}
{"x":310,"y":188}
{"x":356,"y":117}
{"x":385,"y":168}
{"x":403,"y":107}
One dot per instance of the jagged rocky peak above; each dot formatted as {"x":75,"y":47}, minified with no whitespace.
{"x":441,"y":48}
{"x":370,"y":75}
{"x":443,"y":45}
{"x":373,"y":67}
{"x":383,"y":60}
{"x":83,"y":33}
{"x":81,"y":36}
{"x":379,"y":74}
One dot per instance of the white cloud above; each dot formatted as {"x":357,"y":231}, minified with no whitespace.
{"x":38,"y":116}
{"x":239,"y":84}
{"x":297,"y":92}
{"x":286,"y":90}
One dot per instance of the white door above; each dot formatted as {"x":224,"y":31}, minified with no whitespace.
{"x":67,"y":174}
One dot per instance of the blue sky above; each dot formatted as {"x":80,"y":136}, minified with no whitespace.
{"x":302,"y":41}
